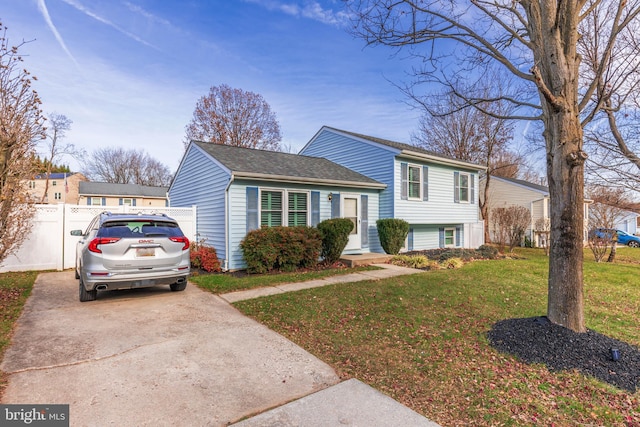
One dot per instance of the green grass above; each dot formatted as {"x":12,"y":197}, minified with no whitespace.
{"x":422,"y":339}
{"x":229,"y":282}
{"x":15,"y":288}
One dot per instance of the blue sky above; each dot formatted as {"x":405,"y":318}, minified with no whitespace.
{"x":129,"y":72}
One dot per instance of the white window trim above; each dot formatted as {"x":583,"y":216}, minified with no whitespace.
{"x":454,"y":244}
{"x":469,"y":178}
{"x":421,"y":183}
{"x":285,"y":203}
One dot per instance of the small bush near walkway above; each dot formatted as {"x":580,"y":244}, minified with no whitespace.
{"x":393,"y":232}
{"x":204,"y":257}
{"x":335,"y":236}
{"x":281,"y":248}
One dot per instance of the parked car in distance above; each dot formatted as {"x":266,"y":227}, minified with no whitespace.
{"x":124,"y":251}
{"x":624,"y":238}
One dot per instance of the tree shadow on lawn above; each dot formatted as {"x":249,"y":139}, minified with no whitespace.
{"x":537,"y":340}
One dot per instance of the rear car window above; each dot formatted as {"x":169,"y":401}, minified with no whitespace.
{"x":138,"y":229}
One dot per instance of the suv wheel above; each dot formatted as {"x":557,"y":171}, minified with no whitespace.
{"x":178,"y":286}
{"x":86,"y":295}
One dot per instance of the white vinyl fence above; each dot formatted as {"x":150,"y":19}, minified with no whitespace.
{"x":50,"y":246}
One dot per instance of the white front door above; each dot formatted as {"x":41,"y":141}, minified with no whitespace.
{"x":351,"y":210}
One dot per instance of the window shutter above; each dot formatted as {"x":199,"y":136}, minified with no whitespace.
{"x":404,"y":178}
{"x":458,"y":236}
{"x":252,"y":208}
{"x":410,"y":240}
{"x":120,"y":202}
{"x":456,"y":187}
{"x":104,"y":201}
{"x":441,"y":239}
{"x":134,"y":202}
{"x":315,"y":208}
{"x":335,"y":205}
{"x":89,"y":201}
{"x":364,"y":220}
{"x":472,"y":190}
{"x":425,"y":183}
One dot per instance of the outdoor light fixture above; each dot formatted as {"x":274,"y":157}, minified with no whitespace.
{"x":330,"y":196}
{"x":615,"y":354}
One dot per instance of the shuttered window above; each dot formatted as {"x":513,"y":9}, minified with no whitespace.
{"x":298,"y":209}
{"x":270,"y":208}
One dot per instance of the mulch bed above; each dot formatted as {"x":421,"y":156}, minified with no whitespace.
{"x":537,"y":340}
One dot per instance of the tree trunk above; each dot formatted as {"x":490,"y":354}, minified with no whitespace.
{"x":565,"y":164}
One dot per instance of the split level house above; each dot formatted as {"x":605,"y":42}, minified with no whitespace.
{"x":336,"y":174}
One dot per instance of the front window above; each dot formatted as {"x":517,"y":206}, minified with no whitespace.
{"x":450,"y":237}
{"x":415,"y":183}
{"x":270,"y":208}
{"x":96,"y":201}
{"x":298,"y":210}
{"x":126,"y":202}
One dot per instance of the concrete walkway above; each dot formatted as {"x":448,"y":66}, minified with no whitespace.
{"x":386,"y":271}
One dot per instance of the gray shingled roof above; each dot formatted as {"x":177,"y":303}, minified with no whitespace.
{"x":108,"y":189}
{"x":252,"y":162}
{"x":402,"y":146}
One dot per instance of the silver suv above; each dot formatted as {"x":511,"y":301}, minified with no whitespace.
{"x":124,"y":251}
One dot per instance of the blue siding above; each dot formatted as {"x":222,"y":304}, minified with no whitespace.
{"x":441,"y":207}
{"x":201,"y":181}
{"x":238,"y":218}
{"x":372,"y":160}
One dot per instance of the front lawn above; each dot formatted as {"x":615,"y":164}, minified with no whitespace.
{"x":422,"y":340}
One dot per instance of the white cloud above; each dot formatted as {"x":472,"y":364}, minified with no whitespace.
{"x":309,"y":9}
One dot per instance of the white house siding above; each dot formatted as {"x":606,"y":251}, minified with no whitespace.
{"x":628,"y":222}
{"x":238,"y":206}
{"x":369,"y":159}
{"x":201,"y":181}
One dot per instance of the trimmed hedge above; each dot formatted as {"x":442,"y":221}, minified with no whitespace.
{"x":393,"y":232}
{"x":335,"y":236}
{"x":281,"y":248}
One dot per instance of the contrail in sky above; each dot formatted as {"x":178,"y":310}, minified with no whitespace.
{"x":45,"y":14}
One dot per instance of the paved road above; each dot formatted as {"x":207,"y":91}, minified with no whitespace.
{"x":152,"y":357}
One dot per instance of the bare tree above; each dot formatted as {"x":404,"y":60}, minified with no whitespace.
{"x":461,"y":132}
{"x":59,"y":124}
{"x":537,"y":42}
{"x":542,"y":229}
{"x":608,"y":207}
{"x":510,"y":224}
{"x":234,"y":117}
{"x":120,"y":166}
{"x":21,"y":126}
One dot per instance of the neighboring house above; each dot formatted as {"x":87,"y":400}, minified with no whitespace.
{"x":628,"y":221}
{"x":108,"y":194}
{"x":436,"y":195}
{"x":505,"y":192}
{"x":239,"y":189}
{"x":63,"y":188}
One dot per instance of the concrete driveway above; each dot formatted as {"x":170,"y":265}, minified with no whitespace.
{"x":151,"y":357}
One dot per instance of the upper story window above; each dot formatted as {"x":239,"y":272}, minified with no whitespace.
{"x":463,"y":187}
{"x":415,"y":182}
{"x":54,"y":183}
{"x":57,"y":196}
{"x":32,"y":184}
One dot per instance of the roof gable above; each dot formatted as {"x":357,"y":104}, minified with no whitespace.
{"x":402,"y":149}
{"x":529,"y":185}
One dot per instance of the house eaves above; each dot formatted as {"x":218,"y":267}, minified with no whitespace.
{"x":303,"y":180}
{"x":414,"y":155}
